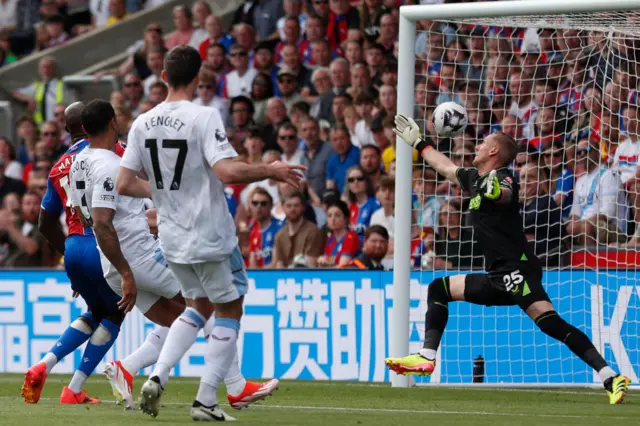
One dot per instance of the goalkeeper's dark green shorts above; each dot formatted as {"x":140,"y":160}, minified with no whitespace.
{"x":520,"y":285}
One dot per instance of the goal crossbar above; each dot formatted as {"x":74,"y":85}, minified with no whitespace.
{"x":399,"y":331}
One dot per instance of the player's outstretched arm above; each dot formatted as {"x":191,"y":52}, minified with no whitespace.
{"x":110,"y":246}
{"x":230,"y":171}
{"x":128,"y":183}
{"x":407,"y":129}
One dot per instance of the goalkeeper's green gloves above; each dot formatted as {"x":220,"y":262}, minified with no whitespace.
{"x":409,"y":132}
{"x":493,"y":190}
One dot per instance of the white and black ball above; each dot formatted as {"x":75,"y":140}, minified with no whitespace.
{"x":449,"y":119}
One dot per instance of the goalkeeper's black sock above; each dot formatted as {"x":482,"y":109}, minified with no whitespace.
{"x":438,"y":298}
{"x":552,"y":325}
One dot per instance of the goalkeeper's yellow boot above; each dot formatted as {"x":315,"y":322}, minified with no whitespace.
{"x":414,"y":364}
{"x":617,"y":388}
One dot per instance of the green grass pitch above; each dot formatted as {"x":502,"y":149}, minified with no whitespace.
{"x":331,"y":403}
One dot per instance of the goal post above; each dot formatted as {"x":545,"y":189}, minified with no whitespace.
{"x":547,"y":14}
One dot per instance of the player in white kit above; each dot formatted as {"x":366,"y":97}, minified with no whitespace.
{"x":121,"y":225}
{"x":183,"y":149}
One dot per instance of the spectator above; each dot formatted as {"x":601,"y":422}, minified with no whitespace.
{"x":133,"y":93}
{"x":27,"y":246}
{"x":374,"y":57}
{"x":263,"y":59}
{"x":117,"y":11}
{"x":354,"y":53}
{"x":28,"y":136}
{"x":213,"y":26}
{"x":137,"y":60}
{"x":207,"y":95}
{"x":241,"y":119}
{"x":276,"y":116}
{"x":426,"y":202}
{"x":263,"y":229}
{"x":385,"y":215}
{"x":388,"y":101}
{"x":340,"y":102}
{"x":561,"y":178}
{"x":362,"y":200}
{"x":54,"y":29}
{"x":321,"y":9}
{"x":363,"y":131}
{"x":44,"y":94}
{"x":292,"y":36}
{"x":254,"y":144}
{"x":158,"y":92}
{"x":288,"y":143}
{"x":371,"y":163}
{"x":238,"y":82}
{"x":124,"y":119}
{"x":59,"y":117}
{"x":388,"y":33}
{"x":360,"y":80}
{"x":346,"y":155}
{"x":316,"y":155}
{"x":291,"y":59}
{"x":320,"y":52}
{"x":339,"y":74}
{"x":374,"y":250}
{"x":625,"y":163}
{"x":9,"y":185}
{"x":217,"y":62}
{"x":342,"y":244}
{"x":51,"y":138}
{"x":8,"y":15}
{"x":245,"y":37}
{"x":342,"y":19}
{"x":270,"y":185}
{"x":596,"y":199}
{"x":541,"y":215}
{"x":609,"y":135}
{"x":183,"y":21}
{"x":261,"y":92}
{"x":454,"y":246}
{"x":155,"y":63}
{"x":200,"y":11}
{"x":12,"y":168}
{"x":299,"y":239}
{"x":299,"y":111}
{"x":288,"y":88}
{"x":321,"y":82}
{"x":314,"y":33}
{"x":523,"y":105}
{"x":293,"y":9}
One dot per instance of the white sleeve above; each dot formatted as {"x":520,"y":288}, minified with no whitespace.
{"x":213,"y":139}
{"x":104,"y":187}
{"x":132,"y":158}
{"x":607,"y":194}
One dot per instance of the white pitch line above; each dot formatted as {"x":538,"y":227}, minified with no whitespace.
{"x":389,"y":410}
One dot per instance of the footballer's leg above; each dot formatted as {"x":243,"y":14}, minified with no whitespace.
{"x":535,"y":302}
{"x":473,"y":288}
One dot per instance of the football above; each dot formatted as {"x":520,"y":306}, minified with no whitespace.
{"x":449,"y":119}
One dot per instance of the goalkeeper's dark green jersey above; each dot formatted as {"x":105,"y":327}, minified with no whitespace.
{"x":497,"y":225}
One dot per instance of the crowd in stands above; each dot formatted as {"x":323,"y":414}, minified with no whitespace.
{"x":315,"y":84}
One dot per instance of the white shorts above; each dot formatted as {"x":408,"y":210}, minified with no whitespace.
{"x":220,"y":282}
{"x":153,"y":278}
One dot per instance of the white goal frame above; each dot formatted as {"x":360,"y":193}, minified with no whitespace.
{"x":399,"y":330}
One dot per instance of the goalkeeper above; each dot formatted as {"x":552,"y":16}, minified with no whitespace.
{"x":514,"y":273}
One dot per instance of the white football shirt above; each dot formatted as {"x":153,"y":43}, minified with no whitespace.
{"x":599,"y":192}
{"x":177,"y":144}
{"x":93,"y":177}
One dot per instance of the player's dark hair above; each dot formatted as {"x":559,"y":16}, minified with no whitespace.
{"x":182,"y":65}
{"x":376,"y":229}
{"x":508,"y":147}
{"x":96,"y":116}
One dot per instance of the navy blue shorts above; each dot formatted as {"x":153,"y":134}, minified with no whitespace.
{"x":82,"y":263}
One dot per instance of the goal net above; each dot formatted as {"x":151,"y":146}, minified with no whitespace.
{"x":566,"y":88}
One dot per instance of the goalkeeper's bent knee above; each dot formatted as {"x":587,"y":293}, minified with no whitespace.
{"x":438,"y":292}
{"x":554,"y":326}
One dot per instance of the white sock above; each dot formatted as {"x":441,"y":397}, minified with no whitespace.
{"x":221,"y":352}
{"x":148,"y":353}
{"x":606,"y":373}
{"x":182,"y":334}
{"x":77,"y":381}
{"x":428,"y":353}
{"x":234,"y":379}
{"x":50,"y":360}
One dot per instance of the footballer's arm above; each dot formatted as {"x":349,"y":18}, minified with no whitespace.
{"x":110,"y":245}
{"x":440,"y":163}
{"x":231,"y":171}
{"x":128,"y":183}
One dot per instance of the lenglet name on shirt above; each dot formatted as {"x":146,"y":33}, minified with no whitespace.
{"x":174,"y":123}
